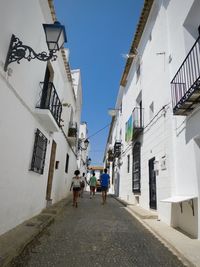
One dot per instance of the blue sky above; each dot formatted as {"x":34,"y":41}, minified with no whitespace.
{"x":98,"y":33}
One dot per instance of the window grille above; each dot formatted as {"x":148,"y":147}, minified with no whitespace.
{"x":39,"y":152}
{"x":136,"y":168}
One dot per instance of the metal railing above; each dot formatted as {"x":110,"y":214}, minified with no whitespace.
{"x":117,"y":148}
{"x":72,"y":131}
{"x":50,"y":100}
{"x":110,"y":155}
{"x":187,"y":77}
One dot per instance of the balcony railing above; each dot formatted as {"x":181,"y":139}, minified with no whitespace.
{"x":117,"y":149}
{"x":138,"y":120}
{"x":110,"y":155}
{"x":72,"y":132}
{"x":185,"y":85}
{"x":50,"y":100}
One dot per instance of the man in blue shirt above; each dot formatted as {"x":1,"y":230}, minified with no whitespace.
{"x":105,"y":182}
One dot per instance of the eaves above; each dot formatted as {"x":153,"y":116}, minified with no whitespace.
{"x":137,"y":37}
{"x":66,"y":63}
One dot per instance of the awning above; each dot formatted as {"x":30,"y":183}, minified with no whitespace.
{"x":178,"y":199}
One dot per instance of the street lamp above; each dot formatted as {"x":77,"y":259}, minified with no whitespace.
{"x":86,"y":144}
{"x":88,"y":161}
{"x":55,"y":38}
{"x":113,"y":111}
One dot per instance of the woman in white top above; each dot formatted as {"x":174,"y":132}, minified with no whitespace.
{"x":76,"y":185}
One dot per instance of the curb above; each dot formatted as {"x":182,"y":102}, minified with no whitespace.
{"x":50,"y":213}
{"x":17,"y":251}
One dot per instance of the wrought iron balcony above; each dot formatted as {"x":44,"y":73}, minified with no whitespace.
{"x":117,"y":149}
{"x":49,"y":107}
{"x":138,"y":120}
{"x":185,"y":85}
{"x":72,"y":131}
{"x":110,"y":155}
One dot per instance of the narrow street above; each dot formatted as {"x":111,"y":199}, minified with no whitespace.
{"x":96,"y":235}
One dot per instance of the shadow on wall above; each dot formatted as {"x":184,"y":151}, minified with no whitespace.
{"x":184,"y":221}
{"x":192,"y":128}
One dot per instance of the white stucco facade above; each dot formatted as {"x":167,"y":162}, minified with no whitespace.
{"x":83,"y":148}
{"x":23,"y":193}
{"x":168,"y":143}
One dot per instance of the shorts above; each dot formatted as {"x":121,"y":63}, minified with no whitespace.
{"x":104,"y":188}
{"x":76,"y":189}
{"x":92,"y":188}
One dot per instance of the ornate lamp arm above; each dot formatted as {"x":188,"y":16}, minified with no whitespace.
{"x":18,"y":51}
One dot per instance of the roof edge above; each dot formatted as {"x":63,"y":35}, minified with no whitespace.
{"x":137,"y":37}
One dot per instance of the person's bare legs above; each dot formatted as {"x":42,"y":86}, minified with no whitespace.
{"x":76,"y":198}
{"x":103,"y":196}
{"x":93,"y":191}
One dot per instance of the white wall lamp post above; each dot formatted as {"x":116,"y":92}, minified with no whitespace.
{"x":86,"y":144}
{"x":113,"y":112}
{"x":55,"y":38}
{"x":88,"y":161}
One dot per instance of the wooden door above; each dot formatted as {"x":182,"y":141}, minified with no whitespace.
{"x":51,"y":171}
{"x":152,"y":185}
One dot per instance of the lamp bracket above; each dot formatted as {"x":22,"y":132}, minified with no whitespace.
{"x":18,"y":51}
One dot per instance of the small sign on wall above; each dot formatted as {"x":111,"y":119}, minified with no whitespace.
{"x":163,"y":165}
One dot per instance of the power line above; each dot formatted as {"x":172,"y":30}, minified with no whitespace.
{"x":99,"y":130}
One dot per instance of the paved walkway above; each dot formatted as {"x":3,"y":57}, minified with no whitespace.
{"x":186,"y":248}
{"x":106,"y":236}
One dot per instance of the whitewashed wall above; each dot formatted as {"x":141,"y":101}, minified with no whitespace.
{"x":183,"y":32}
{"x":165,"y":42}
{"x":23,"y":192}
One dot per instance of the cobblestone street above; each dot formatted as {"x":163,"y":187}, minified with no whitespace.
{"x":96,"y":235}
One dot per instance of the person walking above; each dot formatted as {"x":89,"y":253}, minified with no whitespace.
{"x":82,"y":184}
{"x":92,"y":184}
{"x":76,"y":185}
{"x":105,"y":183}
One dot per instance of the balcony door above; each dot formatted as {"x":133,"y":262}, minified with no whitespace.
{"x":46,"y":93}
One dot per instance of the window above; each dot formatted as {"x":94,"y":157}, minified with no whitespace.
{"x":39,"y":152}
{"x":67,"y":163}
{"x":57,"y":164}
{"x":128,"y":163}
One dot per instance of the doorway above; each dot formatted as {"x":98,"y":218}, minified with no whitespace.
{"x":152,"y":185}
{"x":51,"y":171}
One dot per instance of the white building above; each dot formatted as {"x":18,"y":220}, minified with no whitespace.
{"x":83,"y":148}
{"x":40,"y":114}
{"x":154,"y":135}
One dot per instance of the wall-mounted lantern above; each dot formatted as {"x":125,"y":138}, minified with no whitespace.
{"x":55,"y":38}
{"x":86,"y":144}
